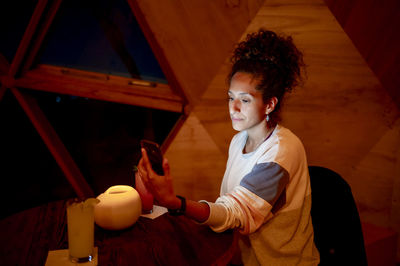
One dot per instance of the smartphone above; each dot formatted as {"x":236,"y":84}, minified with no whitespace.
{"x":154,"y":154}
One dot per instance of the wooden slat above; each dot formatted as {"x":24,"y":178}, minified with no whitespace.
{"x":102,"y":87}
{"x":41,"y":34}
{"x":54,"y":144}
{"x":26,"y":39}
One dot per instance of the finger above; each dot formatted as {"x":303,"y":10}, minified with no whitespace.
{"x":142,"y":171}
{"x":166,"y":168}
{"x":139,"y":178}
{"x":141,"y":166}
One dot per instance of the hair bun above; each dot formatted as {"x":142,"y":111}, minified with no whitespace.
{"x":263,"y":46}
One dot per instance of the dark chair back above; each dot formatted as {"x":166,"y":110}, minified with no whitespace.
{"x":337,"y":227}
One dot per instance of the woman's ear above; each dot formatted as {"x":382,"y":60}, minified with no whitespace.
{"x":271,"y":104}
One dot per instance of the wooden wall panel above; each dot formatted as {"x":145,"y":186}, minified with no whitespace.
{"x":347,"y":121}
{"x":379,"y":175}
{"x":373,"y":26}
{"x":339,"y":97}
{"x":197,"y":164}
{"x":196,"y":36}
{"x":213,"y":110}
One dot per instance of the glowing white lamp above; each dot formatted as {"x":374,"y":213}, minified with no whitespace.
{"x":119,"y":208}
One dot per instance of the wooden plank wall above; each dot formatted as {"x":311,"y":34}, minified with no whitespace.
{"x":197,"y":35}
{"x":373,"y":26}
{"x":347,"y":121}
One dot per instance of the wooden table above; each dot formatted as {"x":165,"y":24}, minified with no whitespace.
{"x":26,"y":238}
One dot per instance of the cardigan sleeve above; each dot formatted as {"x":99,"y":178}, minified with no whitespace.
{"x":250,"y":204}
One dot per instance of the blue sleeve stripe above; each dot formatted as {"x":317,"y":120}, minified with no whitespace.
{"x":266,"y":180}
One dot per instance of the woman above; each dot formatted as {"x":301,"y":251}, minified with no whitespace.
{"x":265,"y":192}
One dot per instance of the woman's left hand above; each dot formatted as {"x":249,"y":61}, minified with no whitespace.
{"x":160,"y":186}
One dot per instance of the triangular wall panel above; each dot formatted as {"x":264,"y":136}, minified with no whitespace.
{"x":341,"y":114}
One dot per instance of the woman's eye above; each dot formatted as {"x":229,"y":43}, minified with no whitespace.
{"x":230,"y":98}
{"x":245,"y":100}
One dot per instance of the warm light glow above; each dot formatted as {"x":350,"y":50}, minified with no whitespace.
{"x":120,"y":207}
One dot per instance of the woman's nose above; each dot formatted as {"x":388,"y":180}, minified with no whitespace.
{"x":234,"y":106}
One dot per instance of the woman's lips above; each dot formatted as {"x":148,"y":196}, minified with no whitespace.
{"x":236,"y":119}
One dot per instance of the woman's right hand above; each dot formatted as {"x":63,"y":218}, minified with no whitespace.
{"x":160,"y":186}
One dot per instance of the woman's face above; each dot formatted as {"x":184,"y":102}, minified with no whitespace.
{"x":246,"y":106}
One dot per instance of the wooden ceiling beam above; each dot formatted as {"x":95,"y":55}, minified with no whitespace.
{"x":27,"y":37}
{"x":41,"y":33}
{"x":101,"y":87}
{"x":54,"y":144}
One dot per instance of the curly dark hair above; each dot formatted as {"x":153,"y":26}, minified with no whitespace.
{"x":272,"y":58}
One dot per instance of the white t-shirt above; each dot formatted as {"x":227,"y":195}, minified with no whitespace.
{"x":266,"y":195}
